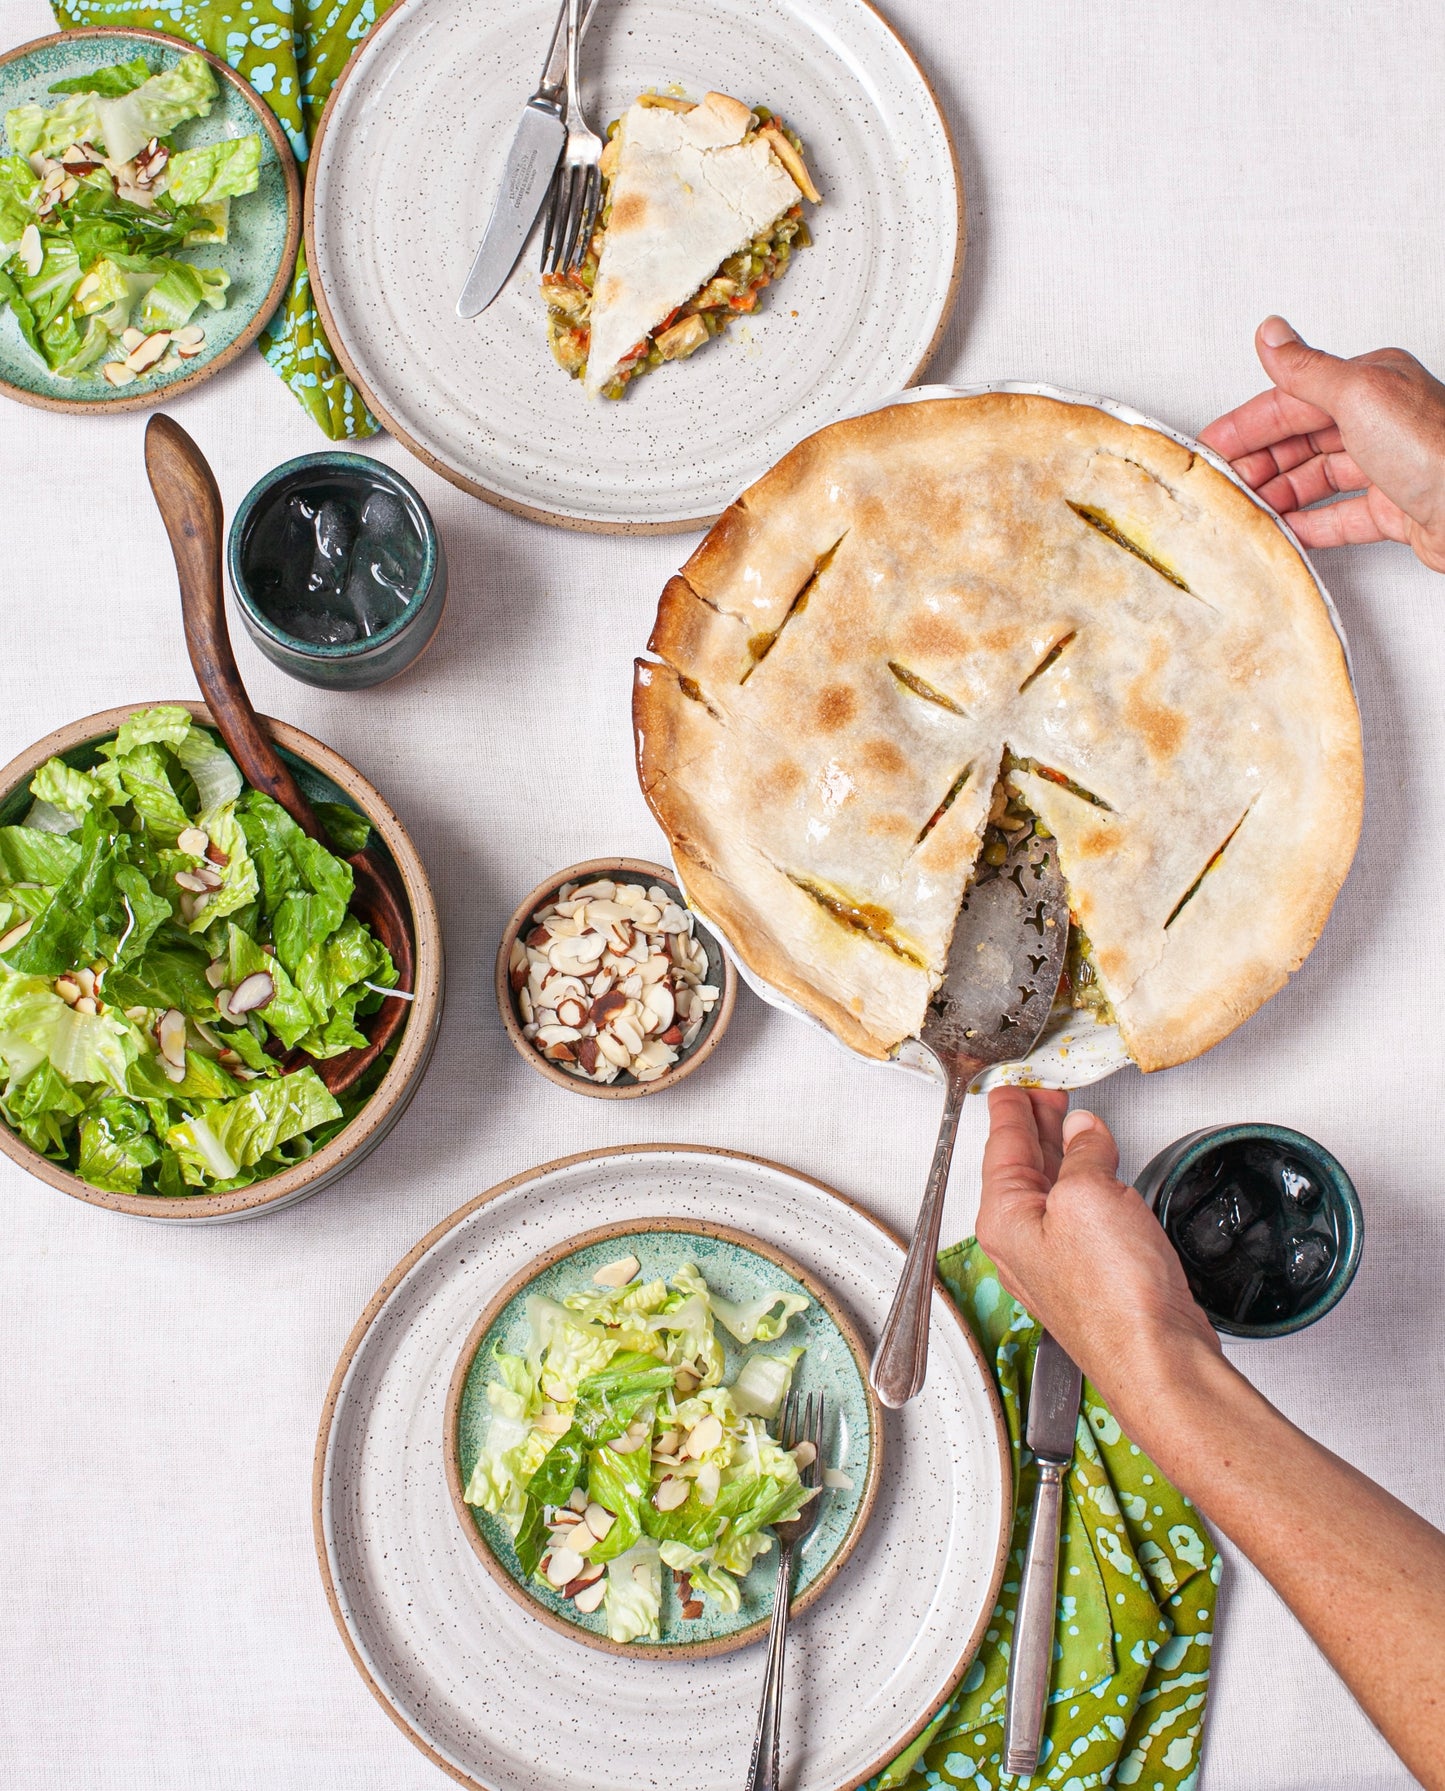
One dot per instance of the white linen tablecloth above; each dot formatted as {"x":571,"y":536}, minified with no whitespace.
{"x":1145,"y":182}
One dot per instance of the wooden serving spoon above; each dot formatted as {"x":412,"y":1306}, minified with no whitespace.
{"x":190,"y":506}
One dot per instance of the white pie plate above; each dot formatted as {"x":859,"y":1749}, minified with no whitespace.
{"x":498,"y":1699}
{"x":402,"y":178}
{"x":1074,"y":1049}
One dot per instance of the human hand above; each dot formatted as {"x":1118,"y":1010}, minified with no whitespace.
{"x":1082,"y":1251}
{"x":1374,"y":426}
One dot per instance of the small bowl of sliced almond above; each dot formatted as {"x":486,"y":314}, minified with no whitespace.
{"x":608,"y":984}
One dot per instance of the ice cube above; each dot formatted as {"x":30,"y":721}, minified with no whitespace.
{"x":1258,"y":1242}
{"x":333,"y":535}
{"x":1300,"y":1191}
{"x":1306,"y":1258}
{"x":384,"y":515}
{"x":368,"y":597}
{"x":318,"y":627}
{"x":1208,"y":1234}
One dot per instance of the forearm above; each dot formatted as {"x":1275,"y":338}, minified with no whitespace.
{"x":1364,"y":1574}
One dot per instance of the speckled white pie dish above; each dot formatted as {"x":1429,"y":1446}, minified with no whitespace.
{"x":472,"y":1678}
{"x":1074,"y":1049}
{"x":402,"y":176}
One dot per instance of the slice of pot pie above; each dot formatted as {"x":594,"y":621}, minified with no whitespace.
{"x":969,"y":610}
{"x":701,"y":209}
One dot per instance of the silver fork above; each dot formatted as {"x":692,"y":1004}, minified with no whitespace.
{"x":763,"y":1773}
{"x":577,"y":187}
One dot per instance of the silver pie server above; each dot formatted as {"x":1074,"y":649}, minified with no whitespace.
{"x":1053,"y":1419}
{"x":1003,"y":973}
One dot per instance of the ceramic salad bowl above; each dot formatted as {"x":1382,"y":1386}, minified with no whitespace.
{"x":325,"y":777}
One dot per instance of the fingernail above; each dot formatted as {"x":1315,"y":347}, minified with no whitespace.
{"x":1078,"y":1121}
{"x":1274,"y":332}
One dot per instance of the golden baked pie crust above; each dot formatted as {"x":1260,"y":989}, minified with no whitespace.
{"x":906,"y":595}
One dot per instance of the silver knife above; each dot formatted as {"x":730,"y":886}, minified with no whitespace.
{"x":1053,"y":1419}
{"x":531,"y":163}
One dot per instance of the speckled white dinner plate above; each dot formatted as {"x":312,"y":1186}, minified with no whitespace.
{"x":497,"y":1698}
{"x":402,"y":178}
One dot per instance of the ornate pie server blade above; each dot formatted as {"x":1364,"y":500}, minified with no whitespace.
{"x":1003,"y":973}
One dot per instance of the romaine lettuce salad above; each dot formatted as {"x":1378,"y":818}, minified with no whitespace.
{"x":613,"y":1450}
{"x":167,"y":937}
{"x":96,"y":204}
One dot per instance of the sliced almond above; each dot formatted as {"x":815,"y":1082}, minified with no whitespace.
{"x":118,"y":373}
{"x":189,"y":880}
{"x":171,"y":1034}
{"x":685,"y":1381}
{"x":671,"y":1493}
{"x":194,"y":841}
{"x":709,"y":1482}
{"x":554,"y":1424}
{"x":627,"y":1034}
{"x":16,"y":934}
{"x":566,"y":1518}
{"x":85,"y":976}
{"x":141,"y":359}
{"x":210,"y":877}
{"x":189,"y":351}
{"x":804,"y":1454}
{"x":613,"y":1050}
{"x":137,"y":1015}
{"x":562,"y":1565}
{"x":253,"y":992}
{"x":192,"y":336}
{"x":658,"y":1001}
{"x":667,"y":1443}
{"x":174,"y":1072}
{"x":31,"y":250}
{"x":67,"y":989}
{"x":706,"y":1434}
{"x":131,"y":339}
{"x":616,"y":1274}
{"x":86,"y":1005}
{"x":591,"y":1596}
{"x":577,"y":1500}
{"x":599,"y":1520}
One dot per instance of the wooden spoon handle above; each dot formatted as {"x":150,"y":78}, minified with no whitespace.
{"x":190,"y":506}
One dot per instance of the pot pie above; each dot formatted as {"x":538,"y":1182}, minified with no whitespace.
{"x":949,"y":611}
{"x":701,"y":209}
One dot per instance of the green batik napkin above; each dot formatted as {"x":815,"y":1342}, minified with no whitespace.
{"x":291,"y":51}
{"x":1136,"y":1602}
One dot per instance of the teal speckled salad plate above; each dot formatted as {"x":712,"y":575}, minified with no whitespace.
{"x":736,"y":1269}
{"x":264,"y":228}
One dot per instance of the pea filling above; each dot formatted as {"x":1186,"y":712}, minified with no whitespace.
{"x":1079,"y":987}
{"x":732,"y":292}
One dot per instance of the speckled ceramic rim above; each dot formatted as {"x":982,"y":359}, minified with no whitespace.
{"x":702,"y":1046}
{"x":272,"y":127}
{"x":451,"y":1443}
{"x":363,"y":1324}
{"x":1185,"y":1152}
{"x":396,"y":1087}
{"x":534,"y":513}
{"x":334,"y":460}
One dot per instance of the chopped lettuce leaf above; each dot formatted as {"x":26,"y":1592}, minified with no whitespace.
{"x":763,"y":1381}
{"x":167,"y":725}
{"x":217,"y":780}
{"x":226,"y":1136}
{"x":632,"y":1604}
{"x":28,"y":855}
{"x":180,"y":291}
{"x":154,"y":109}
{"x":213,"y":171}
{"x":37,"y":1027}
{"x":116,"y":1145}
{"x":110,"y":83}
{"x":762,"y":1320}
{"x":19,"y":196}
{"x":51,"y":129}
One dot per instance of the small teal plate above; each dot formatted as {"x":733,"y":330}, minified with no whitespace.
{"x":739,"y":1268}
{"x":264,"y":230}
